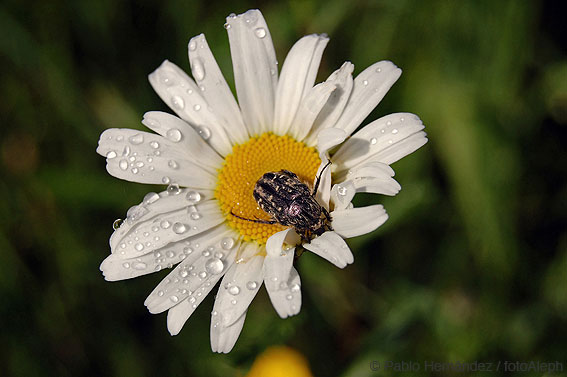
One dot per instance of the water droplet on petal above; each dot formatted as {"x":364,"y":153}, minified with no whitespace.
{"x":179,"y":228}
{"x":227,"y":26}
{"x":198,"y":69}
{"x":140,"y":266}
{"x":173,"y":189}
{"x":110,"y":155}
{"x":388,"y":123}
{"x":195,"y":215}
{"x":166,"y":180}
{"x":174,"y":135}
{"x":178,"y":102}
{"x":295,"y":287}
{"x":234,"y":290}
{"x":139,"y":246}
{"x":151,"y":197}
{"x":193,"y":197}
{"x":373,"y":141}
{"x":365,"y":82}
{"x":165,"y":224}
{"x":341,"y":190}
{"x":170,"y":254}
{"x":395,"y":131}
{"x":173,"y":164}
{"x":187,"y":250}
{"x":289,"y":297}
{"x":251,"y":285}
{"x":214,"y":266}
{"x":260,"y":32}
{"x":116,"y":224}
{"x":197,"y":107}
{"x":378,"y":70}
{"x":192,"y":45}
{"x":174,"y":298}
{"x":202,"y":274}
{"x":154,"y":144}
{"x":123,"y":164}
{"x":204,"y":132}
{"x":136,"y":139}
{"x":126,"y":265}
{"x":227,"y":243}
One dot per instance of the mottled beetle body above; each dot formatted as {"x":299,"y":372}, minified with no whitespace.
{"x":290,"y":202}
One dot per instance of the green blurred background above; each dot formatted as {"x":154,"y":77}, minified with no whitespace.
{"x":472,"y":264}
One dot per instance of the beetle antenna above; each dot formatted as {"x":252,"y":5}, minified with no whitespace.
{"x":319,"y":178}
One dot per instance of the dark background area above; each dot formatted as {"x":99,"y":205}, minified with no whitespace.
{"x":471,"y":265}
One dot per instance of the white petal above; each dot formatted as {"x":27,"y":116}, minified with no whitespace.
{"x":255,"y":69}
{"x":185,"y":137}
{"x":181,"y":93}
{"x":173,"y":226}
{"x":149,"y":158}
{"x":357,"y":221}
{"x":180,"y":313}
{"x":115,"y":267}
{"x":286,"y":299}
{"x":278,"y":262}
{"x":332,"y":247}
{"x":190,"y":276}
{"x":370,"y":86}
{"x":342,"y":194}
{"x":328,"y":138}
{"x":374,"y":177}
{"x":153,"y":205}
{"x":224,"y":338}
{"x":297,"y":78}
{"x":239,"y":286}
{"x":309,"y":108}
{"x":385,"y":140}
{"x":342,"y":79}
{"x":217,"y":93}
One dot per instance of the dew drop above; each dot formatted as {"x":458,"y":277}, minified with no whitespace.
{"x":166,"y":180}
{"x":378,"y":70}
{"x":198,"y":69}
{"x":187,"y":250}
{"x":234,"y":290}
{"x":157,"y":268}
{"x":260,"y":32}
{"x":295,"y":287}
{"x":388,"y":123}
{"x":373,"y":141}
{"x":289,"y":297}
{"x":395,"y":131}
{"x":204,"y":132}
{"x":170,"y":254}
{"x":139,"y":246}
{"x":173,"y":189}
{"x":126,"y":151}
{"x":178,"y":102}
{"x":192,"y":45}
{"x":174,"y":135}
{"x":193,"y":197}
{"x":110,"y":155}
{"x":154,"y":144}
{"x":341,"y":190}
{"x":206,"y":253}
{"x":151,"y":197}
{"x":174,"y":298}
{"x":160,"y":293}
{"x":123,"y":164}
{"x":140,"y":266}
{"x":136,"y":139}
{"x":135,"y":170}
{"x":202,"y":274}
{"x":116,"y":224}
{"x":165,"y":224}
{"x":214,"y":266}
{"x":195,"y":215}
{"x":365,"y":82}
{"x":173,"y":164}
{"x":227,"y":26}
{"x":227,"y":243}
{"x":126,"y":265}
{"x":179,"y":228}
{"x":251,"y":285}
{"x":183,"y":273}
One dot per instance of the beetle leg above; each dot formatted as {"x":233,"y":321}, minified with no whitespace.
{"x":319,"y":178}
{"x":260,"y":221}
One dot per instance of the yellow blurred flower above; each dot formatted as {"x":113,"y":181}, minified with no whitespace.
{"x":280,"y":361}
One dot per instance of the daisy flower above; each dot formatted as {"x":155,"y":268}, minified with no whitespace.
{"x":213,"y":152}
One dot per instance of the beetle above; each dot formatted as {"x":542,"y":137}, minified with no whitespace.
{"x":290,"y":202}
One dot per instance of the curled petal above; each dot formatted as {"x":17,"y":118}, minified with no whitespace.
{"x":332,"y":247}
{"x":357,"y":221}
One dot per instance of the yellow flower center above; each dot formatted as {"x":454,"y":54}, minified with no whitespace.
{"x":242,"y":169}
